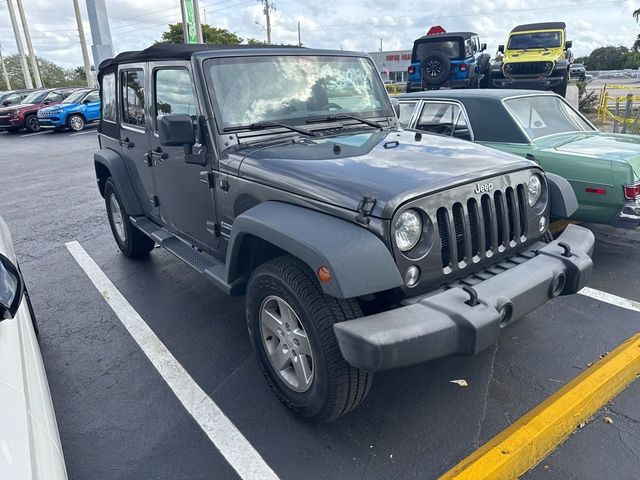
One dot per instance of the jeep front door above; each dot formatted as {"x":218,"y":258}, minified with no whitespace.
{"x":134,"y":142}
{"x":186,"y":201}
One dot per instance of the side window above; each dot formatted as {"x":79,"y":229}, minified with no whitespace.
{"x":13,"y":99}
{"x":468,"y":48}
{"x":109,"y":97}
{"x":54,"y":97}
{"x":406,"y":112}
{"x":132,"y":82}
{"x":444,"y":119}
{"x":174,"y":93}
{"x":92,"y":97}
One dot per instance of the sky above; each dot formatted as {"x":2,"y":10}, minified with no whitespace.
{"x":349,"y":25}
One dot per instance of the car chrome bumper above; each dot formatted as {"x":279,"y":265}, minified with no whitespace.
{"x":629,"y":215}
{"x":446,"y":323}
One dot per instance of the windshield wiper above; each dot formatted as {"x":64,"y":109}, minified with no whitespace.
{"x":344,"y":116}
{"x":264,"y":125}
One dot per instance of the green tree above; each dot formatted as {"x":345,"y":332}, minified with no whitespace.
{"x":636,"y":44}
{"x":211,"y":35}
{"x":52,"y":74}
{"x":607,"y":58}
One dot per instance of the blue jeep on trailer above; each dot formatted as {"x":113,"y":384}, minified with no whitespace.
{"x":454,"y":60}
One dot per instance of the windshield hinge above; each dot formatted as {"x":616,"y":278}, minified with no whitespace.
{"x":365,"y":207}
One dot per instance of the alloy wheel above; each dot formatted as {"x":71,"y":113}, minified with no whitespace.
{"x":286,"y":343}
{"x":76,"y":123}
{"x":117,"y":219}
{"x":433,"y":68}
{"x":33,"y":124}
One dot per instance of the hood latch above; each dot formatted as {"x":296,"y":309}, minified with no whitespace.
{"x":365,"y":207}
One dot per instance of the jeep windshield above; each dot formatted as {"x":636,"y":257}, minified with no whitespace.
{"x":451,"y":48}
{"x":544,"y":115}
{"x":293,"y":89}
{"x":75,"y":97}
{"x":530,"y":41}
{"x":35,"y":97}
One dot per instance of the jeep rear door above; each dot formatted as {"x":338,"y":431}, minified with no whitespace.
{"x":186,"y":201}
{"x":134,"y":142}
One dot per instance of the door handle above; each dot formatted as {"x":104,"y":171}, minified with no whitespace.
{"x":159,"y":153}
{"x":128,"y":143}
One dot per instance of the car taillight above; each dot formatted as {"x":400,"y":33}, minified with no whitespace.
{"x":463,"y":67}
{"x":411,"y":69}
{"x":632,"y":192}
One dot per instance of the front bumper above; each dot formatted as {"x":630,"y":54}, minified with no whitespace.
{"x":50,"y":122}
{"x":451,"y":83}
{"x":532,"y":83}
{"x":9,"y":122}
{"x":446,"y":323}
{"x":628,"y":216}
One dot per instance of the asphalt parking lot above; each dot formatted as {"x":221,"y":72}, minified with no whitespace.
{"x":118,"y":419}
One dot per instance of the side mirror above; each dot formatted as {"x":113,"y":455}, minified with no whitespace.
{"x":6,"y":103}
{"x":568,"y":44}
{"x":396,"y":106}
{"x":483,"y":47}
{"x":501,"y":48}
{"x":11,"y":288}
{"x":176,"y":131}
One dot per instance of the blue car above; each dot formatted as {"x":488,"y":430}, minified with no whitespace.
{"x":74,"y":112}
{"x":454,"y":60}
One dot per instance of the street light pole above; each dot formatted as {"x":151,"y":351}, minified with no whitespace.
{"x":4,"y":71}
{"x":16,"y":32}
{"x":83,"y":44}
{"x":27,"y":36}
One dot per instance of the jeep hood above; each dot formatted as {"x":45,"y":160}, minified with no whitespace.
{"x":536,"y":55}
{"x":594,"y":144}
{"x":392,"y":167}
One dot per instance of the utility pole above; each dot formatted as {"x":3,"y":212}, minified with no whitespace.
{"x":191,"y":26}
{"x":102,"y":47}
{"x":380,"y":43}
{"x":268,"y":7}
{"x":27,"y":36}
{"x":4,"y":71}
{"x":299,"y":41}
{"x":16,"y":32}
{"x":83,"y":44}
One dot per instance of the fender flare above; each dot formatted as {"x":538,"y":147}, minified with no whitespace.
{"x":562,"y":197}
{"x":359,"y":261}
{"x":114,"y":163}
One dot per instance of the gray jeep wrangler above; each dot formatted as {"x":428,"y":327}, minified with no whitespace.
{"x":281,"y":174}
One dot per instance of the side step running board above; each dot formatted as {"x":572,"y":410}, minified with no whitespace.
{"x":212,"y":269}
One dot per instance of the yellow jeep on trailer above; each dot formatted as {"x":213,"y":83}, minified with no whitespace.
{"x":536,"y":56}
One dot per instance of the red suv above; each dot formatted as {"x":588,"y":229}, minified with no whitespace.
{"x":25,"y":113}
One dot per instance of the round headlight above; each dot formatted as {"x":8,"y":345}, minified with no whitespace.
{"x":407,"y":230}
{"x":534,"y":189}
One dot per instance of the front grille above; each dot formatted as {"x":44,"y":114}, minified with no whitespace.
{"x":472,"y":230}
{"x":528,"y":68}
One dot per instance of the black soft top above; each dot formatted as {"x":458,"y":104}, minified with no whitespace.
{"x":174,"y":51}
{"x":540,"y":26}
{"x":447,"y":36}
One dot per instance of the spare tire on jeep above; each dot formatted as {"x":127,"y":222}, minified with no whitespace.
{"x":435,"y":69}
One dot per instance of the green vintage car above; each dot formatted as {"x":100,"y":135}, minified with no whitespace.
{"x":603,"y":168}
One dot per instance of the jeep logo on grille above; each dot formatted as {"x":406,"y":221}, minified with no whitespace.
{"x":483,"y":187}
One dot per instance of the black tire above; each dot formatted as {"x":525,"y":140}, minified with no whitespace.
{"x":76,"y":122}
{"x":435,"y":69}
{"x":547,"y":236}
{"x":336,"y":387}
{"x":485,"y":71}
{"x":133,"y":243}
{"x":31,"y":123}
{"x":562,"y":88}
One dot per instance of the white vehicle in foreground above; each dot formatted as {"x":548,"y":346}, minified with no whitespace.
{"x":29,"y":442}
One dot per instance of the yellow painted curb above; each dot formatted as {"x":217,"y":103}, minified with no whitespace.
{"x":525,"y":443}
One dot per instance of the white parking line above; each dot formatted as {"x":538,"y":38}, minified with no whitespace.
{"x":235,"y":448}
{"x":36,"y":133}
{"x":610,"y":298}
{"x":82,"y":133}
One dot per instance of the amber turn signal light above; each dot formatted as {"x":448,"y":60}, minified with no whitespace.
{"x":324,"y":275}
